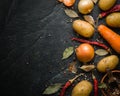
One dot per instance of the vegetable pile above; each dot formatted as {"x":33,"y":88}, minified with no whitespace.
{"x":88,"y":49}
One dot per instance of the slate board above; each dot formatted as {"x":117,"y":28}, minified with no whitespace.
{"x":33,"y":36}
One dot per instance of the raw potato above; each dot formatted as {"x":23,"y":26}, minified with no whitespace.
{"x":85,"y":6}
{"x":83,"y":28}
{"x":113,"y":20}
{"x":106,"y":4}
{"x":83,"y":88}
{"x":107,"y":62}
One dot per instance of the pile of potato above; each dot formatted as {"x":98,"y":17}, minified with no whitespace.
{"x":83,"y":28}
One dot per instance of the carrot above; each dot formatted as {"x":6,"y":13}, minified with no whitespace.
{"x":67,"y":3}
{"x":60,"y":0}
{"x":110,"y":36}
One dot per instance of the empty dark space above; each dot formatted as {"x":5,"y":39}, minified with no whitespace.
{"x":26,"y":47}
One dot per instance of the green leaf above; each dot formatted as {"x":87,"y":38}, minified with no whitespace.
{"x":87,"y":68}
{"x":68,"y":52}
{"x":89,"y":19}
{"x":71,"y":13}
{"x":101,"y":52}
{"x":102,"y":86}
{"x":52,"y":88}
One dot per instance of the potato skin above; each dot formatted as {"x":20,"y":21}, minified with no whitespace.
{"x":83,"y":28}
{"x":106,"y":4}
{"x":83,"y":88}
{"x":107,"y":62}
{"x":113,"y":20}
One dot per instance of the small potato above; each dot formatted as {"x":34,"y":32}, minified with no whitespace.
{"x":83,"y":28}
{"x":107,"y":62}
{"x":83,"y":88}
{"x":106,"y":4}
{"x":113,"y":20}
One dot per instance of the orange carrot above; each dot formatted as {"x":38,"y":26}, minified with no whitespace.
{"x":110,"y":36}
{"x":67,"y":3}
{"x":60,"y":0}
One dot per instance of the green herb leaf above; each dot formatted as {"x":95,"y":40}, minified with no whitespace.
{"x":52,"y":88}
{"x":89,"y":19}
{"x":87,"y":68}
{"x":102,"y":86}
{"x":101,"y":52}
{"x":68,"y":52}
{"x":71,"y":13}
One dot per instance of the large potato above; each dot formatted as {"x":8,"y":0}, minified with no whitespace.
{"x":113,"y":19}
{"x":107,"y":62}
{"x":83,"y":28}
{"x":106,"y":4}
{"x":83,"y":88}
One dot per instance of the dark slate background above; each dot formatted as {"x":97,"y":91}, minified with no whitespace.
{"x":33,"y":36}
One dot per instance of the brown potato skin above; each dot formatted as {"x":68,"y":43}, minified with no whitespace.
{"x":83,"y":88}
{"x":106,"y":4}
{"x":113,"y":20}
{"x":107,"y":62}
{"x":83,"y":28}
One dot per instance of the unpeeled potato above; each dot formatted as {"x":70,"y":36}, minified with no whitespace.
{"x":83,"y":88}
{"x":83,"y":28}
{"x":113,"y":20}
{"x":109,"y":62}
{"x":106,"y":4}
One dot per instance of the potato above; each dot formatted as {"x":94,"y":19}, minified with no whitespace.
{"x":113,"y":20}
{"x":83,"y":88}
{"x":107,"y":62}
{"x":85,"y":6}
{"x":83,"y":28}
{"x":106,"y":4}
